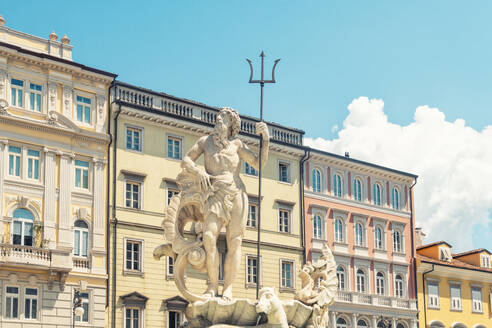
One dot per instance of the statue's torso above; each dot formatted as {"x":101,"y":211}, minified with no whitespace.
{"x":221,"y":162}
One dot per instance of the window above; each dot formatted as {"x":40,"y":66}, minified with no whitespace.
{"x":400,"y":325}
{"x":222,"y":257}
{"x":85,"y":304}
{"x":316,"y":180}
{"x":14,"y":161}
{"x":359,"y":234}
{"x":252,"y":210}
{"x":378,"y":238}
{"x":283,"y":172}
{"x":361,"y":281}
{"x":283,"y":217}
{"x":133,"y":249}
{"x":376,"y":191}
{"x":174,"y":319}
{"x":379,"y":283}
{"x":132,"y":195}
{"x":84,"y":109}
{"x":133,"y":138}
{"x":12,"y":302}
{"x":252,"y":270}
{"x":445,"y":254}
{"x":23,"y":223}
{"x":81,"y":174}
{"x":248,"y":169}
{"x":357,"y":190}
{"x":170,"y":194}
{"x":361,"y":324}
{"x":132,"y":317}
{"x":433,"y":291}
{"x":170,"y":266}
{"x":341,"y":323}
{"x":174,"y":147}
{"x":287,"y":274}
{"x":337,"y":185}
{"x":395,"y":199}
{"x":317,"y":227}
{"x":35,"y":91}
{"x":80,"y":238}
{"x":341,"y":278}
{"x":17,"y":91}
{"x":477,"y":299}
{"x":33,"y":164}
{"x":455,"y":297}
{"x":485,"y":260}
{"x":31,"y":303}
{"x":398,"y":286}
{"x":397,"y":241}
{"x":339,"y":235}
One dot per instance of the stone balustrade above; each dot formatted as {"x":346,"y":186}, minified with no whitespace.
{"x":198,"y":112}
{"x":81,"y":263}
{"x":25,"y":255}
{"x":377,"y":300}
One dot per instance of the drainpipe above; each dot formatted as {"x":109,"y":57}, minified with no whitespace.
{"x":108,"y":172}
{"x":115,"y":221}
{"x":307,"y":155}
{"x":412,"y":233}
{"x":423,"y":289}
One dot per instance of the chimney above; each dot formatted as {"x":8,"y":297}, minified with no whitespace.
{"x":419,"y":236}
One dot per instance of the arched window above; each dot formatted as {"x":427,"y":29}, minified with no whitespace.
{"x":357,"y":190}
{"x":316,"y":174}
{"x":80,"y":238}
{"x":361,"y":281}
{"x":317,"y":227}
{"x":339,"y":231}
{"x":359,"y":234}
{"x":395,"y":199}
{"x":379,"y":283}
{"x":378,"y":238}
{"x":341,"y":278}
{"x":398,"y":286}
{"x":400,"y":325}
{"x":341,"y":323}
{"x":23,"y":223}
{"x":361,"y":323}
{"x":376,"y":194}
{"x":337,"y":185}
{"x":397,"y":244}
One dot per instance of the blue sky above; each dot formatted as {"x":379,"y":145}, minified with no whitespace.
{"x":435,"y":53}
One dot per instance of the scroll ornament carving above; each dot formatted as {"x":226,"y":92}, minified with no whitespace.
{"x":52,"y":95}
{"x":67,"y":100}
{"x":3,"y":83}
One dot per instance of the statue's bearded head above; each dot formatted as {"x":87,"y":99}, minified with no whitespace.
{"x":227,"y":126}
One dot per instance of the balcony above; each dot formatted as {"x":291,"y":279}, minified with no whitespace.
{"x":375,"y":300}
{"x":20,"y":255}
{"x":81,"y":264}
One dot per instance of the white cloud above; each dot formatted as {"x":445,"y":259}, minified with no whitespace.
{"x":453,"y":161}
{"x":334,"y":128}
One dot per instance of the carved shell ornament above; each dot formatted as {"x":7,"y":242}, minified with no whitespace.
{"x":3,"y":106}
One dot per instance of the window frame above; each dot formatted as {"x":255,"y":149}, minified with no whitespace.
{"x":81,"y":231}
{"x":133,"y":183}
{"x":250,"y":170}
{"x":18,"y":88}
{"x":259,"y":276}
{"x":477,"y":304}
{"x":180,"y":318}
{"x":380,"y":283}
{"x":362,"y":241}
{"x":132,"y":309}
{"x":36,"y":93}
{"x":16,"y":159}
{"x":433,"y":301}
{"x":318,"y":227}
{"x":343,"y":274}
{"x":169,"y":264}
{"x":23,"y":221}
{"x":339,"y":236}
{"x":34,"y":159}
{"x":316,"y":180}
{"x":141,"y":253}
{"x":361,"y":281}
{"x":382,"y":243}
{"x":138,"y":129}
{"x":292,"y":274}
{"x":287,"y":164}
{"x":453,"y":300}
{"x":337,"y":185}
{"x":281,"y":221}
{"x":174,"y":137}
{"x":255,"y":219}
{"x":357,"y":192}
{"x":82,"y":169}
{"x":6,"y":294}
{"x":377,"y":201}
{"x":31,"y":298}
{"x":85,"y":300}
{"x":91,"y":107}
{"x":398,"y":244}
{"x":395,"y":205}
{"x":402,"y":279}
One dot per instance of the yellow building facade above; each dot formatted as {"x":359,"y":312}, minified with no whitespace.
{"x":53,"y":173}
{"x":151,"y":133}
{"x":454,"y":290}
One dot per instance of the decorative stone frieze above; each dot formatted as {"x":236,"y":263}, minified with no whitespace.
{"x":52,"y":95}
{"x":67,"y":101}
{"x":3,"y":84}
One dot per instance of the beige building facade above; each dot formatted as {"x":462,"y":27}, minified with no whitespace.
{"x":53,"y":147}
{"x":151,"y":133}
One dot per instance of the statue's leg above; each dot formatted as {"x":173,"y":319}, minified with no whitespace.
{"x":211,"y":229}
{"x":234,"y":237}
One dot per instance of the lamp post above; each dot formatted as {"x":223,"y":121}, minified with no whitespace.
{"x":77,"y":309}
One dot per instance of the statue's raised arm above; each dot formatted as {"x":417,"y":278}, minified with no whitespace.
{"x":251,"y":157}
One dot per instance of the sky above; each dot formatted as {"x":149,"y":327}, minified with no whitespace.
{"x":403,"y":84}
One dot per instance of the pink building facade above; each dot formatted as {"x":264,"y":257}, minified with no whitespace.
{"x":364,"y":213}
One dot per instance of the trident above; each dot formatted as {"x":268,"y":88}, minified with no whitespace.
{"x":262,"y":84}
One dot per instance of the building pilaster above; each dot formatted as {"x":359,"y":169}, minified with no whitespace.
{"x":49,"y":197}
{"x":3,"y":163}
{"x":374,"y":321}
{"x":98,"y":211}
{"x":66,"y":182}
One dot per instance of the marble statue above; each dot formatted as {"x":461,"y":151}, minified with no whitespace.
{"x":211,"y":198}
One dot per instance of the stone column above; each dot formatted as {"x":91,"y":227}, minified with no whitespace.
{"x":354,"y":320}
{"x":3,"y":163}
{"x":414,"y":323}
{"x":49,"y":197}
{"x":99,"y":205}
{"x":374,"y":321}
{"x":393,"y":322}
{"x":65,"y":239}
{"x":334,"y":319}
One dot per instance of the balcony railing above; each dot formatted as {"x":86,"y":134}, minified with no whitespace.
{"x":81,"y":263}
{"x":19,"y":254}
{"x":198,"y":112}
{"x":377,"y":300}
